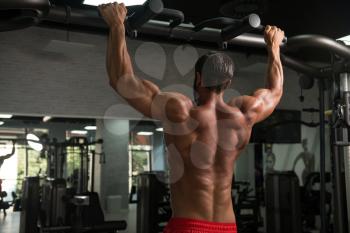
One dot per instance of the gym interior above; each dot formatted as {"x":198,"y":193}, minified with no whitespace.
{"x":75,"y":157}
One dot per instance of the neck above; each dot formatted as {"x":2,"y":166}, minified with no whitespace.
{"x":211,"y":98}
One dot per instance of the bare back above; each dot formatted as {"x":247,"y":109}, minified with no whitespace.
{"x":203,"y":142}
{"x":202,"y":161}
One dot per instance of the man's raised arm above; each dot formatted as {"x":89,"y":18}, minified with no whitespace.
{"x":264,"y":101}
{"x":143,"y":95}
{"x":138,"y":93}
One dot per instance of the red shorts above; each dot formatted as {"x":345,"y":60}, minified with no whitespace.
{"x":183,"y":225}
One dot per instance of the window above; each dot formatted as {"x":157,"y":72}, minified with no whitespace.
{"x":140,"y":156}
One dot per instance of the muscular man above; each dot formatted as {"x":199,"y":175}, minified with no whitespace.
{"x":203,"y":138}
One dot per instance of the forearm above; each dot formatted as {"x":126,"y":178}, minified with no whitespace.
{"x":138,"y":93}
{"x":118,"y":60}
{"x":274,"y":79}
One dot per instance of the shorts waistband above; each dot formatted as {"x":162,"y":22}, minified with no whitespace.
{"x":201,"y":225}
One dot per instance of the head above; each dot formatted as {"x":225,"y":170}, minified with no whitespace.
{"x":213,"y":74}
{"x":304,"y":144}
{"x":270,"y":162}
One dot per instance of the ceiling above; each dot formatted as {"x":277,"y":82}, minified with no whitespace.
{"x":295,"y":17}
{"x":329,"y":18}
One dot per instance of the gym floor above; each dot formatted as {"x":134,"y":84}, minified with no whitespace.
{"x":10,"y":223}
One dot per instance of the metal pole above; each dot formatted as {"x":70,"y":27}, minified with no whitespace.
{"x":27,"y":155}
{"x":337,"y":190}
{"x":324,"y":224}
{"x":345,"y":90}
{"x":347,"y":180}
{"x":337,"y":153}
{"x":93,"y":170}
{"x":81,"y":178}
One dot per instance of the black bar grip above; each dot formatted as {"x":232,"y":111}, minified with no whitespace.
{"x":247,"y":24}
{"x":216,"y":23}
{"x":142,"y":15}
{"x":176,"y":17}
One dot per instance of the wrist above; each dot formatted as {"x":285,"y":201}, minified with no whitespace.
{"x":117,"y":27}
{"x":273,"y":49}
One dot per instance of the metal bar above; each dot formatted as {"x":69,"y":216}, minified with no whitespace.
{"x":149,"y":10}
{"x":345,"y":90}
{"x":93,"y":171}
{"x":219,"y":22}
{"x":27,"y":153}
{"x":324,"y":225}
{"x":337,"y":189}
{"x":347,"y":181}
{"x":37,"y":5}
{"x":317,"y":41}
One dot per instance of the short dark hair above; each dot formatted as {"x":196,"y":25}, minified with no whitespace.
{"x":216,"y":70}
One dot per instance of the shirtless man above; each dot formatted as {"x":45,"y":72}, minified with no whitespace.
{"x":204,"y":138}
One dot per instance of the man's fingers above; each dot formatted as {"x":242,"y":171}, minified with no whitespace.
{"x":123,"y":7}
{"x":267,"y":28}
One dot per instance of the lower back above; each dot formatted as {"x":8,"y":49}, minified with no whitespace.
{"x":203,"y":198}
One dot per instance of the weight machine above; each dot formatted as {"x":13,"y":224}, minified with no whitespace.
{"x":50,"y":206}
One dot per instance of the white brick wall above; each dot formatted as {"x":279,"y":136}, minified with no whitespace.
{"x":38,"y":79}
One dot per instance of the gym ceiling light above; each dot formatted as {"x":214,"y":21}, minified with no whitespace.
{"x":144,"y":133}
{"x":345,"y":39}
{"x":79,"y":132}
{"x":1,"y":122}
{"x":126,"y":2}
{"x":90,"y":127}
{"x":159,"y":129}
{"x":46,"y":118}
{"x":33,"y":142}
{"x":6,"y":116}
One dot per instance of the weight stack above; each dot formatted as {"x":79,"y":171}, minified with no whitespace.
{"x":150,"y":193}
{"x":53,"y":204}
{"x":30,"y":205}
{"x":283,"y":208}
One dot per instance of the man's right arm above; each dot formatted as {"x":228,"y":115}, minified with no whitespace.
{"x":264,"y":101}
